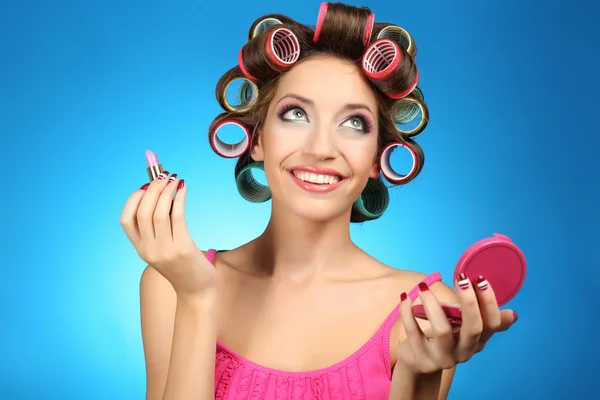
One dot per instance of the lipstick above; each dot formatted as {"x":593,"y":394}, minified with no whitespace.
{"x":154,"y":167}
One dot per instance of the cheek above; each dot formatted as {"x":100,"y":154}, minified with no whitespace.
{"x":361,"y":158}
{"x":279,"y":141}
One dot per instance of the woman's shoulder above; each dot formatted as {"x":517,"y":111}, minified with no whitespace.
{"x":404,"y":280}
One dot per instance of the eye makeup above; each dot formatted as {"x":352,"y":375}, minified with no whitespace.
{"x":365,"y":120}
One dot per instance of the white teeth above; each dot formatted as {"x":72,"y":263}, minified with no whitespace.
{"x":316,"y":178}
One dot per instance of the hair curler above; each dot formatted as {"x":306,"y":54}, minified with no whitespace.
{"x":227,"y":150}
{"x":262,"y":25}
{"x":367,"y":31}
{"x":282,"y":50}
{"x":383,"y":63}
{"x":373,"y":200}
{"x":393,"y":176}
{"x":405,"y":111}
{"x":248,"y":186}
{"x":400,"y":36}
{"x":247,"y":96}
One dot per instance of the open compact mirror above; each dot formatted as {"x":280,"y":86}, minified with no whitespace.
{"x":499,"y":261}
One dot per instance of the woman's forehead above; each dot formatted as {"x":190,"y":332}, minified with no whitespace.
{"x":326,"y":79}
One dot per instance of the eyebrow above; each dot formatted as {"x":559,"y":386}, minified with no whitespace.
{"x":347,"y":107}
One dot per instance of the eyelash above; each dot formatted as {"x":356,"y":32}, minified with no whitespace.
{"x":367,"y":124}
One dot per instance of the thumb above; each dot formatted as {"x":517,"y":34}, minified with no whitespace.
{"x":507,"y":318}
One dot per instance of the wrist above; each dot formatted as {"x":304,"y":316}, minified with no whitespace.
{"x":416,"y":385}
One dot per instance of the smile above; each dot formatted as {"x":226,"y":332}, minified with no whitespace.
{"x":316,"y":180}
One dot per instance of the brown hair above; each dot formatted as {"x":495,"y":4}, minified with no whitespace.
{"x":347,"y":32}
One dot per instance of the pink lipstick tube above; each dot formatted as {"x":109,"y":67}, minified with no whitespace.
{"x":154,"y":167}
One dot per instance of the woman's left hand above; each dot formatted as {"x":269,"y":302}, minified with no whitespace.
{"x":443,"y":345}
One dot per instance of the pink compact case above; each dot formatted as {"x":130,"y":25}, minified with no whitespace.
{"x":496,"y":258}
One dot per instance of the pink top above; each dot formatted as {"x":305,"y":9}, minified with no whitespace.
{"x":366,"y":374}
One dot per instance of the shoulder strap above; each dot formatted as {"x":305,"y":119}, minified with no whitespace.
{"x":430,"y":280}
{"x":210,"y":256}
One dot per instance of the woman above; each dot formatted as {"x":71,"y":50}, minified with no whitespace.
{"x":301,"y":312}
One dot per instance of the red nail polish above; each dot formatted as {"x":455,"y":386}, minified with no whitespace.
{"x":145,"y":186}
{"x":180,"y":186}
{"x":163,"y":175}
{"x":462,"y":281}
{"x":516,"y":316}
{"x":423,"y":287}
{"x":482,"y":284}
{"x":403,"y":297}
{"x":173,"y":178}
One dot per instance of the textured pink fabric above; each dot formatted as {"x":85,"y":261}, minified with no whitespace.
{"x":365,"y":375}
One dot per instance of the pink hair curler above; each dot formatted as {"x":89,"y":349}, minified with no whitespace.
{"x":387,"y":170}
{"x":496,"y":258}
{"x":243,"y":67}
{"x":283,"y":47}
{"x":368,"y":29}
{"x":380,"y":63}
{"x":320,"y":18}
{"x":381,"y":59}
{"x":227,"y":150}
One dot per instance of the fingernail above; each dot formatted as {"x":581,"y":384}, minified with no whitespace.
{"x":516,"y":316}
{"x":145,"y":186}
{"x":180,"y":186}
{"x":173,"y":178}
{"x":482,"y":284}
{"x":463,"y":281}
{"x":163,"y":175}
{"x":403,"y":297}
{"x":423,"y":287}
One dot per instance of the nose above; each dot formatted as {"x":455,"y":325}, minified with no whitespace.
{"x":320,"y":144}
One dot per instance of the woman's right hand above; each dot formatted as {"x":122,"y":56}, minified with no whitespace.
{"x":154,"y":222}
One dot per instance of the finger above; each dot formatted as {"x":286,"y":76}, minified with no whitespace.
{"x":146,"y":209}
{"x":435,"y":314}
{"x":490,"y":313}
{"x":414,"y":334}
{"x":507,"y":319}
{"x":162,"y":213}
{"x":442,"y":338}
{"x":178,"y":223}
{"x":128,"y":219}
{"x":472,"y":323}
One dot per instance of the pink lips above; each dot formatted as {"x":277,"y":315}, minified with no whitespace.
{"x":314,"y":187}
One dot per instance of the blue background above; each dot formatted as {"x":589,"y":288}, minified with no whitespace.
{"x":86,"y":87}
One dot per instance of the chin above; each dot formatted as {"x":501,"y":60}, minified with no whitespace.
{"x":320,"y":210}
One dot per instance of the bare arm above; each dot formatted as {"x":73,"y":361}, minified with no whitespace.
{"x":179,"y":336}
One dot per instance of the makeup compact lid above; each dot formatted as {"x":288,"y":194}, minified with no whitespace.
{"x":499,"y":261}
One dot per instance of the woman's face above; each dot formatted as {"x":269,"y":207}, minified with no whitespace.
{"x":319,"y":139}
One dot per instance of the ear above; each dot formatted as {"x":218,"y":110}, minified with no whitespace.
{"x":256,"y":152}
{"x":374,"y":171}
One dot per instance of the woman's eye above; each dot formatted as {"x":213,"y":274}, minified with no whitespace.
{"x":355,"y":123}
{"x":295,"y":114}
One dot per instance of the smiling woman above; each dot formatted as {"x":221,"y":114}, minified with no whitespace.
{"x":378,"y":59}
{"x":301,"y":312}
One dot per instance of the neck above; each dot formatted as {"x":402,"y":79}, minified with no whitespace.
{"x":293,"y":247}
